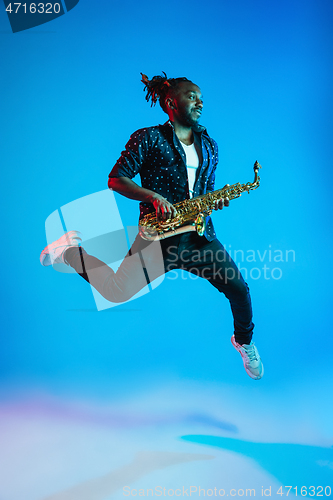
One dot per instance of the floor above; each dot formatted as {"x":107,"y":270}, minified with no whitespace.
{"x":185,"y":438}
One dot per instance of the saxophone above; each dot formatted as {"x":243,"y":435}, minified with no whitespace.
{"x":192,"y":213}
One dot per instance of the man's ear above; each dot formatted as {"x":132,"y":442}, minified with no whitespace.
{"x":170,"y":103}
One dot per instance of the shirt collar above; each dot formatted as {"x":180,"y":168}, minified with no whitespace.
{"x":197,"y":128}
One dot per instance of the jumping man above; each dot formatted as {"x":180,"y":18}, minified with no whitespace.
{"x":175,"y":161}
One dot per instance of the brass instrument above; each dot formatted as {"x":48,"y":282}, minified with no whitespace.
{"x":191,"y":214}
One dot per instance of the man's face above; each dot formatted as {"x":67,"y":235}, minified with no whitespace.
{"x":188,"y":104}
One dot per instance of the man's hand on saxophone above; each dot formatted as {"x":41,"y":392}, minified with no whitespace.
{"x":164,"y":209}
{"x":222,"y":202}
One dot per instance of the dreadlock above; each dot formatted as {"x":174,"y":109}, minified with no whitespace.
{"x":160,"y":87}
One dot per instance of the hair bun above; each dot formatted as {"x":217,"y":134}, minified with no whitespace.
{"x":159,"y":87}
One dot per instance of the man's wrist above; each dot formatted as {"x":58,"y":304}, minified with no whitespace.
{"x":151,"y":197}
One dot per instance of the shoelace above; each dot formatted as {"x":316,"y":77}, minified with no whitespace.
{"x":251,"y":352}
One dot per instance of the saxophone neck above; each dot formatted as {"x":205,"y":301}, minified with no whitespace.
{"x":256,"y":167}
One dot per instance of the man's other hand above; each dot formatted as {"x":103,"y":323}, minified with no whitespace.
{"x":222,"y":202}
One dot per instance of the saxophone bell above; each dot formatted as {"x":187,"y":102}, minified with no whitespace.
{"x":200,"y":224}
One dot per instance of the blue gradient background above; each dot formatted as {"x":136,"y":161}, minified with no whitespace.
{"x":70,"y":97}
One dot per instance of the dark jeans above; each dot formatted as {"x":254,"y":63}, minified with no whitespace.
{"x":146,"y":261}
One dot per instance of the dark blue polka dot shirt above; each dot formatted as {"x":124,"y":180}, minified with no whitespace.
{"x":156,"y":154}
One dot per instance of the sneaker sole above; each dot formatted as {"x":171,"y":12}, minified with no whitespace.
{"x":254,"y":377}
{"x":65,"y":240}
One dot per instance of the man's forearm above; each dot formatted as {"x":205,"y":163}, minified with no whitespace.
{"x":130,"y":189}
{"x":125,"y":186}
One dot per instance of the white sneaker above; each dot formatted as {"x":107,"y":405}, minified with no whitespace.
{"x":251,"y":359}
{"x":54,"y":253}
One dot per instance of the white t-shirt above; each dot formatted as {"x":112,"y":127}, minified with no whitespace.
{"x":192,"y":163}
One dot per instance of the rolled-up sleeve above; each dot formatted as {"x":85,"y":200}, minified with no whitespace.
{"x":133,"y":157}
